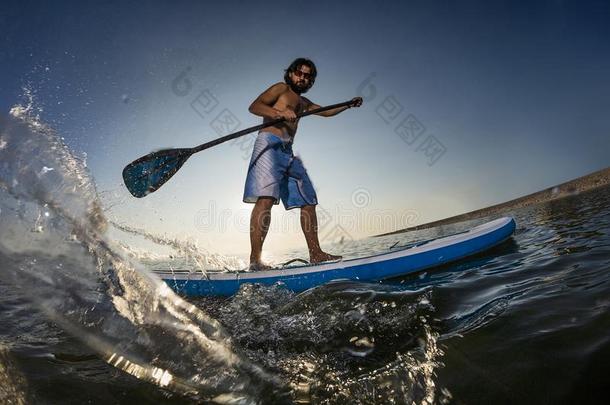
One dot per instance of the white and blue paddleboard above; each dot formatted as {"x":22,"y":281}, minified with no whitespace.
{"x":382,"y":266}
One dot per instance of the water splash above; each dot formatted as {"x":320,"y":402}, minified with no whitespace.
{"x":191,"y":254}
{"x":341,"y":342}
{"x":54,"y":250}
{"x":13,"y":389}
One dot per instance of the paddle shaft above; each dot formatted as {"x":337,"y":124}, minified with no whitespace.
{"x":264,"y":125}
{"x":146,"y":174}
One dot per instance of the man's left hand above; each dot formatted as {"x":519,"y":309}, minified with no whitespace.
{"x":356,"y":102}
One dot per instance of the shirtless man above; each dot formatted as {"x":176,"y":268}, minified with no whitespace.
{"x":274,"y":172}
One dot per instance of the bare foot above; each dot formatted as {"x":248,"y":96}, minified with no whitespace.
{"x":259,"y":266}
{"x":323,"y":257}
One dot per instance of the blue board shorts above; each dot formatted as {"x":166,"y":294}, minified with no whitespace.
{"x":275,"y":172}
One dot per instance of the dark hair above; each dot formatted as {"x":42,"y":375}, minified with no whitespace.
{"x":297,"y":63}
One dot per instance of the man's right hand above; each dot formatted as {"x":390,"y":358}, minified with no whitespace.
{"x":288,"y":115}
{"x":356,"y":102}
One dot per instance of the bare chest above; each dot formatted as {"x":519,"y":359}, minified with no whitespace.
{"x":290,"y":101}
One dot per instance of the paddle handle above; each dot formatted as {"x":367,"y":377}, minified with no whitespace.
{"x":265,"y":125}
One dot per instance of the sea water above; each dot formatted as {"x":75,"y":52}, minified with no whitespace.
{"x":84,"y":320}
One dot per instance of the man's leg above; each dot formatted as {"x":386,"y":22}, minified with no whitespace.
{"x":259,"y":225}
{"x":309,"y":224}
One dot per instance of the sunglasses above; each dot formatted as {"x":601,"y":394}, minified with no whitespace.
{"x":304,"y":75}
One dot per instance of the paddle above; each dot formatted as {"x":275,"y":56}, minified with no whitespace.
{"x":148,"y":173}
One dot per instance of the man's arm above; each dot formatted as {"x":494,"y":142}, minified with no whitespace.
{"x":356,"y":102}
{"x":262,"y":106}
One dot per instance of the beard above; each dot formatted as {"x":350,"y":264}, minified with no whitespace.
{"x":299,"y":88}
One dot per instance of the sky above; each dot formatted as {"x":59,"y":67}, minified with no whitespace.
{"x":465,"y":105}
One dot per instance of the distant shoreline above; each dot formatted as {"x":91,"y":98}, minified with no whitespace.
{"x":588,"y":182}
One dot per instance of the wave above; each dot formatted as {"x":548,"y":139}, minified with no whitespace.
{"x":55,"y":251}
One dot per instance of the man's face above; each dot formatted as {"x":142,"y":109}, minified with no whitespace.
{"x":301,"y":79}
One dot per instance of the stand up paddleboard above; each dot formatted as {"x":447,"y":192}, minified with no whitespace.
{"x":415,"y":258}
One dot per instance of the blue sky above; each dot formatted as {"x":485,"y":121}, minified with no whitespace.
{"x":514,"y":93}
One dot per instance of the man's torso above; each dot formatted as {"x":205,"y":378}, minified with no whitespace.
{"x":288,"y":100}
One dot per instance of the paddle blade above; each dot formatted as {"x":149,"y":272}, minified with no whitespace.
{"x":146,"y":174}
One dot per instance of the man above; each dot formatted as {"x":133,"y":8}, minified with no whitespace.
{"x":274,"y":172}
